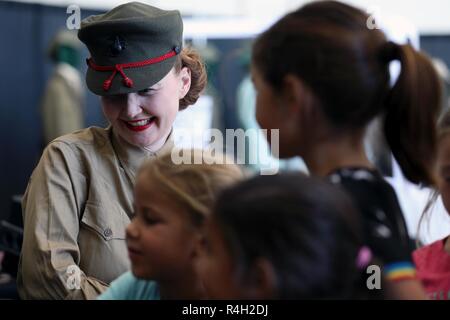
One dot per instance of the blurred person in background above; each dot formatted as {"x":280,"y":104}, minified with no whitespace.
{"x":63,"y":99}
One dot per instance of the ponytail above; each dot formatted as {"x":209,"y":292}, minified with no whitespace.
{"x":412,"y":109}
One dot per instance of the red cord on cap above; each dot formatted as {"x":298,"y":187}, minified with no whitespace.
{"x":119,"y":68}
{"x":128,"y":82}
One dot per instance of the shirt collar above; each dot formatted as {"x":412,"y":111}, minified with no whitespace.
{"x":131,"y":157}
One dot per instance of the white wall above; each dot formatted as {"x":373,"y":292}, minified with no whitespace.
{"x":429,"y":16}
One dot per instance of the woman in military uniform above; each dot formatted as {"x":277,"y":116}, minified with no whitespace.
{"x":79,"y":197}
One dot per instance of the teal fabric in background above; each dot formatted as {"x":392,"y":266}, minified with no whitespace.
{"x":128,"y":287}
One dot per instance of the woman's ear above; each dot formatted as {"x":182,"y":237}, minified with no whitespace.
{"x":185,"y":82}
{"x":297,"y":95}
{"x":262,"y":281}
{"x":303,"y":113}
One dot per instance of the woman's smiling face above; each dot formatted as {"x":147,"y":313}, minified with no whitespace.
{"x":145,"y":118}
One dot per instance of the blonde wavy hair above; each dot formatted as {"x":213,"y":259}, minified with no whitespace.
{"x":192,"y":186}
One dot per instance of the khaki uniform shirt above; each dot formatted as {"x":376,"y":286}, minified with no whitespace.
{"x":77,"y":204}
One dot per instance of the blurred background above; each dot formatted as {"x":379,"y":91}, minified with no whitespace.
{"x":32,"y":50}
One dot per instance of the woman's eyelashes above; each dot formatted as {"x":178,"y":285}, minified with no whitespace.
{"x":147,"y":92}
{"x":115,"y":99}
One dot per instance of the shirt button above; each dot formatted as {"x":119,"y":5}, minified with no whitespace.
{"x":108,"y":232}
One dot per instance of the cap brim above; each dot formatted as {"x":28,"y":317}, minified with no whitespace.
{"x":142,"y":77}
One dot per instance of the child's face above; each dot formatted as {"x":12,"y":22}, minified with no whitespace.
{"x":443,"y":166}
{"x":215,"y":265}
{"x":160,"y":239}
{"x":145,"y":118}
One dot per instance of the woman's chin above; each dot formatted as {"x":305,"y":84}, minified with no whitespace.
{"x":141,"y":141}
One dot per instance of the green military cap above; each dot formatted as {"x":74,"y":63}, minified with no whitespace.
{"x":132,"y":47}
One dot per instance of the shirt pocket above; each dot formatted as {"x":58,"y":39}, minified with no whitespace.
{"x":108,"y":221}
